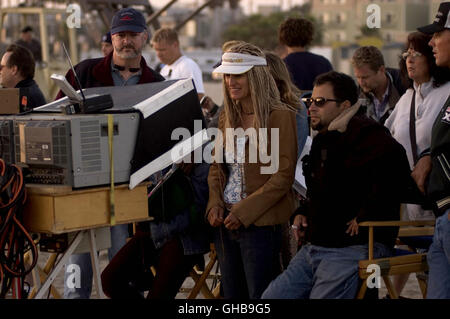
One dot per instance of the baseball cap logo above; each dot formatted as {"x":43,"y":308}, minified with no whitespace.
{"x":126,"y":17}
{"x":438,"y":17}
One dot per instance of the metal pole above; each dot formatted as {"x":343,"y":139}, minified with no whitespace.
{"x":45,"y":51}
{"x":155,"y":15}
{"x":207,"y":3}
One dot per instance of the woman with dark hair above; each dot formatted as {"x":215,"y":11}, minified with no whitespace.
{"x":416,"y":112}
{"x":418,"y":42}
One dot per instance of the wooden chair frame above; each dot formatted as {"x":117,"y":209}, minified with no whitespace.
{"x":414,"y":263}
{"x":200,"y":278}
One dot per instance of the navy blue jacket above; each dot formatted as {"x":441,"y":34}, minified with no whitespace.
{"x":30,"y":95}
{"x":304,"y":67}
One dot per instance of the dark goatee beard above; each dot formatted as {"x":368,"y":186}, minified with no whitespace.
{"x":317,"y":127}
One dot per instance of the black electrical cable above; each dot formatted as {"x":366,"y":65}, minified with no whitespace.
{"x":15,"y":241}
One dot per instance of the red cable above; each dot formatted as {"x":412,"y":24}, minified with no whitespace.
{"x":15,"y":238}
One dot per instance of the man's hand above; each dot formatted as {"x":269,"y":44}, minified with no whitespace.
{"x":215,"y":216}
{"x":353,"y":227}
{"x":298,"y":227}
{"x":232,"y":222}
{"x":421,"y":172}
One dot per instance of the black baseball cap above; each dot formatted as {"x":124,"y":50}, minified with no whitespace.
{"x":27,"y":29}
{"x":128,"y":19}
{"x":107,"y":37}
{"x":441,"y":22}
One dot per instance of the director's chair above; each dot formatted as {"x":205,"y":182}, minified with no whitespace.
{"x":396,"y":265}
{"x":200,"y":277}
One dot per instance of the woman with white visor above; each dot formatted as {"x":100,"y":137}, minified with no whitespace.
{"x":250,"y":194}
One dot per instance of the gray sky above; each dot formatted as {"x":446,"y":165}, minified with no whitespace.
{"x":249,"y":6}
{"x":246,"y":4}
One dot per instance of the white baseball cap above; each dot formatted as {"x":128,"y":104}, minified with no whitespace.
{"x":238,"y":63}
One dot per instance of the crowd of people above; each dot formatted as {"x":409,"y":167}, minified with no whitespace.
{"x":376,"y":143}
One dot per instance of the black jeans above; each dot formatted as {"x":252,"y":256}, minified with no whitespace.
{"x":129,"y":273}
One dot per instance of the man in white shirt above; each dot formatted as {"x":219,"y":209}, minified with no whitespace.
{"x":177,"y":66}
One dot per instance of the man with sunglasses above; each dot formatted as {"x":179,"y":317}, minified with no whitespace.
{"x":17,"y":68}
{"x":353,"y":173}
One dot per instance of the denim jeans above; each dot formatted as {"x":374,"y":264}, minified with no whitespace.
{"x":439,"y":260}
{"x":249,"y":258}
{"x":119,"y":234}
{"x":318,"y":272}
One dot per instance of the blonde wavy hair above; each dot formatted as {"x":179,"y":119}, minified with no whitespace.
{"x":263,"y":91}
{"x":230,"y":44}
{"x":289,"y":93}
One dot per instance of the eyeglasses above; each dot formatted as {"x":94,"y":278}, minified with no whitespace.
{"x":413,"y":54}
{"x":318,"y":101}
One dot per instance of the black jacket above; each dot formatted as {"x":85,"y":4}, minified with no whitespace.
{"x":359,"y":172}
{"x":30,"y":95}
{"x":439,"y":182}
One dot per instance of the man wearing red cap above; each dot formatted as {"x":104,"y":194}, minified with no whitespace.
{"x":125,"y":65}
{"x":439,"y":172}
{"x":122,"y":67}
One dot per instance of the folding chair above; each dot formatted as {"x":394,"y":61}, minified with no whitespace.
{"x":39,"y":276}
{"x":200,"y":278}
{"x":396,"y":265}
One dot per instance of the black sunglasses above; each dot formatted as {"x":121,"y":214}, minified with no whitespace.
{"x":319,"y":101}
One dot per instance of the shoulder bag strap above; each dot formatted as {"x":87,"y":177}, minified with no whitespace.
{"x":412,"y":128}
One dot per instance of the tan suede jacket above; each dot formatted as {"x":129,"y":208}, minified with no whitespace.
{"x":270,"y":199}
